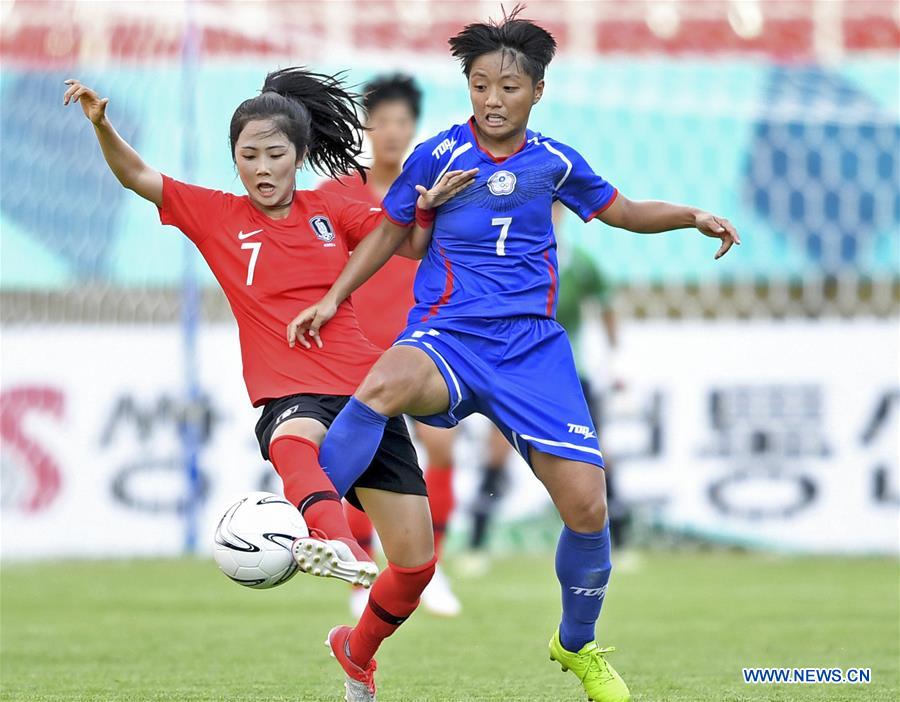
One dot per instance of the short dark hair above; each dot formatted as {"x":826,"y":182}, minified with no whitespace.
{"x":531,"y":46}
{"x":396,"y":86}
{"x":315,"y":112}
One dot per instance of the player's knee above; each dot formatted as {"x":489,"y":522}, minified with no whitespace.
{"x":409,"y":550}
{"x":382,"y":390}
{"x":586,"y":514}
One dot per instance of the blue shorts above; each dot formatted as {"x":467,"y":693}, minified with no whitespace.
{"x":520,"y":373}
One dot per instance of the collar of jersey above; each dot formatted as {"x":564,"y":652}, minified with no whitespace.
{"x":485,"y":152}
{"x":293,"y":217}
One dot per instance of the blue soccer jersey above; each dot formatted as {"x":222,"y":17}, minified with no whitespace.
{"x":493,"y":251}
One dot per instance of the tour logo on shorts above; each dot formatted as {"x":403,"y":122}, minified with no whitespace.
{"x":583,"y":431}
{"x":502,"y":183}
{"x":322,"y":228}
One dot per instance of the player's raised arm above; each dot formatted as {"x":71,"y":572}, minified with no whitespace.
{"x":125,"y":163}
{"x":652,"y":217}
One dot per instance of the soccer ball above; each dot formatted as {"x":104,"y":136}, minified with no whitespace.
{"x":253,"y":540}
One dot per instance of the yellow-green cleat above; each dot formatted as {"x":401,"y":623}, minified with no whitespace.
{"x":601,"y":682}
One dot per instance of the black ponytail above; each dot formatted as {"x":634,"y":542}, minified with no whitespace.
{"x":316,"y":113}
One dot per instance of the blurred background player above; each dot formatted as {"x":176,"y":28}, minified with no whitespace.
{"x":393,"y":106}
{"x":493,"y":483}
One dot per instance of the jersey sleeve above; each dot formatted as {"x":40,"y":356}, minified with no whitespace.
{"x":583,"y":191}
{"x":191,"y":208}
{"x":354,"y":219}
{"x":419,"y":169}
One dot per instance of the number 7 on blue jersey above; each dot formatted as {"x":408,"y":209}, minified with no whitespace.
{"x":503,"y":223}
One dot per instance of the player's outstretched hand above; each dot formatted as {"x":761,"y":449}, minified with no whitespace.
{"x":451,"y":183}
{"x":93,"y":105}
{"x":718,"y":228}
{"x":307,"y":323}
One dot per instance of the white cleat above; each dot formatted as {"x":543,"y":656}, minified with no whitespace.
{"x":438,"y":598}
{"x":329,"y":558}
{"x":359,"y":598}
{"x":359,"y":683}
{"x":356,"y":691}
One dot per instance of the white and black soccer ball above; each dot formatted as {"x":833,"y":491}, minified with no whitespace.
{"x":253,"y":540}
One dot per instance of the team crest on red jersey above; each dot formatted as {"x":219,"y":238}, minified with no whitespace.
{"x":322,"y":228}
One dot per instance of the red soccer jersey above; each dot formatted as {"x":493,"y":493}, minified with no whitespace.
{"x":384,"y":300}
{"x":270,"y":270}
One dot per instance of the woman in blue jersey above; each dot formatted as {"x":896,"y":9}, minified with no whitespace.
{"x":482,"y":336}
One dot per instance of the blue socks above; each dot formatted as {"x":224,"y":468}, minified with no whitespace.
{"x":351,"y":444}
{"x":582,"y":567}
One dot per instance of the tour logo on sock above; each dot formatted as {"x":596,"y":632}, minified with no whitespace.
{"x":598,"y":592}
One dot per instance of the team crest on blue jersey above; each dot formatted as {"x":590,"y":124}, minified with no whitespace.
{"x":322,"y":228}
{"x":502,"y":183}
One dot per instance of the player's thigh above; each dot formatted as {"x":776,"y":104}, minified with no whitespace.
{"x":577,"y":489}
{"x":405,"y":381}
{"x":438,"y":443}
{"x":305,"y":427}
{"x":403,"y":523}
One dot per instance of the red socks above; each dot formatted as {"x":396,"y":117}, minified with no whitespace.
{"x":394,"y":596}
{"x":439,"y":482}
{"x":360,"y":526}
{"x":305,"y":484}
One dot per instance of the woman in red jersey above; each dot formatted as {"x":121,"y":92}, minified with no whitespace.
{"x":393,"y":104}
{"x":276,"y":249}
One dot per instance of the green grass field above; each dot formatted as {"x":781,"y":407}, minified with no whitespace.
{"x":684,"y":624}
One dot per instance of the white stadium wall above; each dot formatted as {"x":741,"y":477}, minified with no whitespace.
{"x":776,"y":435}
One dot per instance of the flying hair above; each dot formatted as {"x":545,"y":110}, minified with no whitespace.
{"x":531,"y":47}
{"x":317,"y":114}
{"x":397,"y":86}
